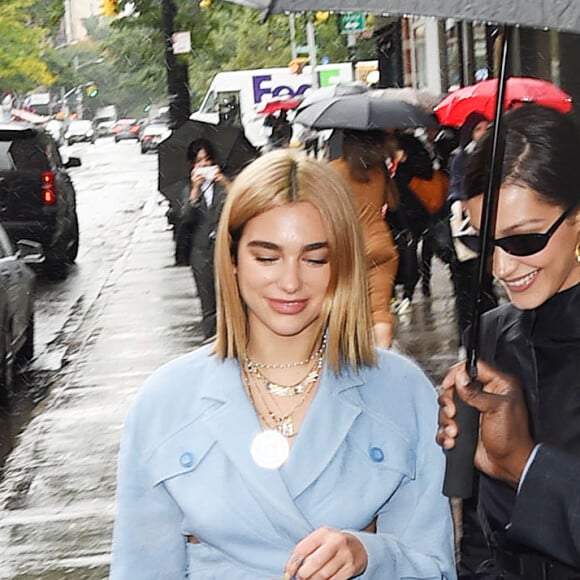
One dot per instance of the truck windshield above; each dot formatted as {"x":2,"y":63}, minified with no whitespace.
{"x":209,"y":104}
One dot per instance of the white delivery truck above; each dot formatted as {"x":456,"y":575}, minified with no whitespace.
{"x":250,"y":90}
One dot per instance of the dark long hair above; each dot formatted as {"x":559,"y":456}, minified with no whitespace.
{"x":542,"y":152}
{"x":363,"y":150}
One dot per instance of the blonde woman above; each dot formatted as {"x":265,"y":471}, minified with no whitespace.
{"x":286,"y":449}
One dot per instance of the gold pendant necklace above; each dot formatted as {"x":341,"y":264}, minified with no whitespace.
{"x":299,"y":388}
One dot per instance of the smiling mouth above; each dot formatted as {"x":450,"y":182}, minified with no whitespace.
{"x":523,"y":283}
{"x":288,"y":306}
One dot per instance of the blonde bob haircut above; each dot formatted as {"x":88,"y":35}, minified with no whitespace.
{"x":280,"y":178}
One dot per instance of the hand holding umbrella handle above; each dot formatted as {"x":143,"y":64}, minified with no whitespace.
{"x":459,"y":468}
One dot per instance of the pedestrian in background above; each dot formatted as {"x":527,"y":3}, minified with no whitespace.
{"x":196,"y":231}
{"x":290,"y":447}
{"x":410,"y":220}
{"x":362,"y":165}
{"x":528,"y":452}
{"x":464,"y":267}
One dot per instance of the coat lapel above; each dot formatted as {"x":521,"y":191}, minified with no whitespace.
{"x":234,"y":424}
{"x":324,"y":428}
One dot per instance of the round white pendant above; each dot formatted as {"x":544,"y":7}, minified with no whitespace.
{"x":270,"y":449}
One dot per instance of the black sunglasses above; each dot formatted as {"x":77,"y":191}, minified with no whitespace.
{"x":518,"y":244}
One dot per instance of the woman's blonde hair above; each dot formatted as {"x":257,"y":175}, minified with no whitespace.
{"x":274,"y":180}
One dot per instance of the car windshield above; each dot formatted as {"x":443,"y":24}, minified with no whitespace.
{"x":79,"y":126}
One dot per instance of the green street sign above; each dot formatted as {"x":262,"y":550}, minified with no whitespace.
{"x":352,"y":22}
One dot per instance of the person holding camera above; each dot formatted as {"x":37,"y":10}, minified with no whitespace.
{"x":197,"y":230}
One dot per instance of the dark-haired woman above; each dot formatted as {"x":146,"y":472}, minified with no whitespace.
{"x":362,"y":165}
{"x":529,"y":438}
{"x":195,"y":238}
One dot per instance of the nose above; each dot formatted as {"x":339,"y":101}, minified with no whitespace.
{"x":504,"y":264}
{"x":290,"y":280}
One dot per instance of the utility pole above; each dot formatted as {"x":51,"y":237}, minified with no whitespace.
{"x":177,"y":77}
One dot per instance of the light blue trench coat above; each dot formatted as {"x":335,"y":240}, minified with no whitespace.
{"x":366,"y":449}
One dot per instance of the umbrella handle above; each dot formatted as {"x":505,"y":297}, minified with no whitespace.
{"x":459,"y":469}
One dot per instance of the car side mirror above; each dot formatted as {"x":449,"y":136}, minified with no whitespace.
{"x":73,"y":162}
{"x":29,"y":252}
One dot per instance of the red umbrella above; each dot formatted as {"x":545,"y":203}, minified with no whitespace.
{"x":481,"y":97}
{"x":279,"y":105}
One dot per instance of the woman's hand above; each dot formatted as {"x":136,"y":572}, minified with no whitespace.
{"x":505,"y":443}
{"x":222,"y":180}
{"x":327,"y":554}
{"x":196,"y":179}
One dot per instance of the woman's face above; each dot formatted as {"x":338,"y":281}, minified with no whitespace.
{"x":202,"y":159}
{"x":283,"y":269}
{"x":531,"y":280}
{"x":479,"y":130}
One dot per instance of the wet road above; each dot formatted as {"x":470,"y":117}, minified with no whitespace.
{"x":123,"y":311}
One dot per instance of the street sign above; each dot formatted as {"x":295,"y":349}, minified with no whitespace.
{"x":181,"y":42}
{"x":352,"y":22}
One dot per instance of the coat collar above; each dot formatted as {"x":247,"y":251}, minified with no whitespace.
{"x":231,"y":418}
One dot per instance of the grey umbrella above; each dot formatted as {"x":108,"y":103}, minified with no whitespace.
{"x":338,"y":90}
{"x":363,"y":112}
{"x":556,"y":14}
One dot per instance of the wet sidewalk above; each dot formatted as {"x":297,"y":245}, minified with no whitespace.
{"x":57,"y":495}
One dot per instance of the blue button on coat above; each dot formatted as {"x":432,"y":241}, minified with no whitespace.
{"x":366,"y":449}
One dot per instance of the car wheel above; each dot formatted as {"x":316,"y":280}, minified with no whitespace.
{"x":6,"y":368}
{"x":26,"y":353}
{"x":69,"y":142}
{"x":73,"y":248}
{"x":143,"y":151}
{"x":56,"y":265}
{"x":116,"y":140}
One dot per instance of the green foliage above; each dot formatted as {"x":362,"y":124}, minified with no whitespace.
{"x":22,"y":48}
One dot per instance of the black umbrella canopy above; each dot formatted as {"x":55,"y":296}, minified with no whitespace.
{"x":556,"y":14}
{"x":363,"y":112}
{"x":233,"y":151}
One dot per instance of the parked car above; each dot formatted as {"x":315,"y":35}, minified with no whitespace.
{"x":80,"y":130}
{"x":125,"y":129}
{"x":152,"y":135}
{"x":37,"y":196}
{"x":17,"y":284}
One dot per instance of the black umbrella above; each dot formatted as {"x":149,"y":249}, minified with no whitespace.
{"x":232,"y":148}
{"x":363,"y":112}
{"x":556,"y":14}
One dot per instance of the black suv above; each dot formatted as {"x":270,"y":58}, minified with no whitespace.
{"x":37,"y":197}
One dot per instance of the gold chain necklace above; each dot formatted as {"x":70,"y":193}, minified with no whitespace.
{"x":283,"y":423}
{"x":298,"y":388}
{"x":260,"y":365}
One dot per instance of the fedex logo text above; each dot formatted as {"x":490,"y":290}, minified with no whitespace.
{"x":261,"y":88}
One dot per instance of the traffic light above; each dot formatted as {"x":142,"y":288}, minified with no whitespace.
{"x":321,"y":16}
{"x":92,"y":91}
{"x":109,"y":8}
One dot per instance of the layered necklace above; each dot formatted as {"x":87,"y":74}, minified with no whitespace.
{"x":271,"y":447}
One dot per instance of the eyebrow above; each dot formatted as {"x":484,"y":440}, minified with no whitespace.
{"x":527,"y":223}
{"x":271,"y":246}
{"x":512,"y":228}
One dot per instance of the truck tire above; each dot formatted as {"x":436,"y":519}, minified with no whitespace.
{"x":73,"y":247}
{"x":26,"y":353}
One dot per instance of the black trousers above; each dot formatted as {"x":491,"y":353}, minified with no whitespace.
{"x":203,"y":274}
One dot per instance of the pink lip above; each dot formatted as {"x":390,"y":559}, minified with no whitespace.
{"x":522,"y":283}
{"x":287,"y":306}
